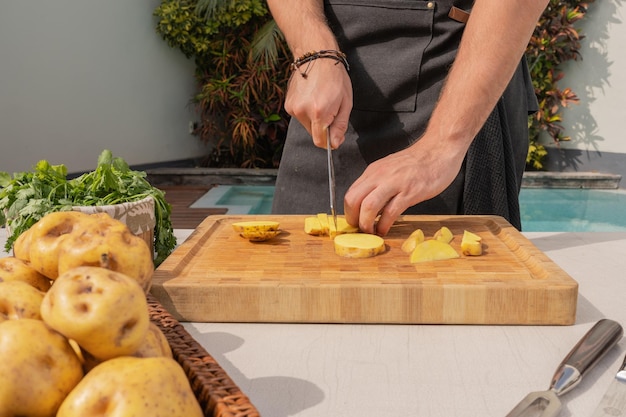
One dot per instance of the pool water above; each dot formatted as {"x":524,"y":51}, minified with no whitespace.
{"x":542,"y":209}
{"x":239,"y":199}
{"x":572,"y":210}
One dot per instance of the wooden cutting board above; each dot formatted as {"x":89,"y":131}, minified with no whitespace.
{"x":217,"y":276}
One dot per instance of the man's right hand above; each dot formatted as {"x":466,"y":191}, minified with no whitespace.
{"x":321,"y":98}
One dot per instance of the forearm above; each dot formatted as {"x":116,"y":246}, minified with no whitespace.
{"x":304,"y":25}
{"x":493,"y":43}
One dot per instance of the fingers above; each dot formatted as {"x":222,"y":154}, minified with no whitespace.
{"x":321,"y":100}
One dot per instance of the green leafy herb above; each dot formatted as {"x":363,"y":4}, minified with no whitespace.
{"x":28,"y":196}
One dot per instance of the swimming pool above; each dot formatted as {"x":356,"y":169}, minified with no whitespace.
{"x":572,"y":210}
{"x":542,"y":209}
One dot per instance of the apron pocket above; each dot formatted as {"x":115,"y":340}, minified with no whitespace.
{"x":385,"y":42}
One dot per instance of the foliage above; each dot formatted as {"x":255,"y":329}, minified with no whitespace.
{"x":241,"y":72}
{"x":26,"y":197}
{"x":554,"y":41}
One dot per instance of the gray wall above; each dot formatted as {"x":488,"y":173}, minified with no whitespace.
{"x":597,"y":124}
{"x":80,"y":76}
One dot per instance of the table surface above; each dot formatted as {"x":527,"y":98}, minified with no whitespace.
{"x":345,"y":370}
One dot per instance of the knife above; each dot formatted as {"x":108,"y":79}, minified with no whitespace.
{"x":331,"y":178}
{"x":614,"y":401}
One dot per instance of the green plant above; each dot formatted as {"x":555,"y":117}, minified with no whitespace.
{"x":554,"y":41}
{"x":241,"y":70}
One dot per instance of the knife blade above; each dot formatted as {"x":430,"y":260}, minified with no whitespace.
{"x":613,"y":402}
{"x":331,"y":178}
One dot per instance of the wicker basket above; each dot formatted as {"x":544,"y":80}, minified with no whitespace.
{"x":216,"y":392}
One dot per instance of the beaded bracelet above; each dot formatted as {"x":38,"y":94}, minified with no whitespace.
{"x":308,"y":57}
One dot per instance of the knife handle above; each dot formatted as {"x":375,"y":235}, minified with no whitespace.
{"x":587,"y":352}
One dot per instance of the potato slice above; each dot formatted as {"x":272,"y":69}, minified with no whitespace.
{"x":255,"y":225}
{"x":358,"y":245}
{"x":259,"y":235}
{"x":412,"y":241}
{"x":342,"y":227}
{"x":323,"y":218}
{"x":443,"y":235}
{"x":432,"y":250}
{"x":312,"y":226}
{"x":322,"y":225}
{"x":471,"y":244}
{"x":257,"y":230}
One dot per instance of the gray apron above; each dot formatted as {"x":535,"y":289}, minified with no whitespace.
{"x":399,"y":52}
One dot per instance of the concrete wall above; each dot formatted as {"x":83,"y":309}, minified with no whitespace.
{"x":597,"y":124}
{"x":80,"y":76}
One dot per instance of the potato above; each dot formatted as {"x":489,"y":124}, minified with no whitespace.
{"x":155,"y":344}
{"x":19,"y":300}
{"x":443,"y":235}
{"x":106,"y":242}
{"x":130,"y":386}
{"x":38,"y":366}
{"x":14,"y":269}
{"x":471,"y":244}
{"x":358,"y":245}
{"x":46,"y":239}
{"x":432,"y":250}
{"x":412,"y":241}
{"x":322,"y":225}
{"x":104,"y":311}
{"x":257,"y":230}
{"x":64,"y":240}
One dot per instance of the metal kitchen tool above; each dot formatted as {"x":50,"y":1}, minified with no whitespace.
{"x":587,"y":352}
{"x":614,"y":401}
{"x":331,"y":178}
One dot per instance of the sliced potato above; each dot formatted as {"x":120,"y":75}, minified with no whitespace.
{"x":259,"y":235}
{"x":412,"y":241}
{"x":323,"y":218}
{"x":342,"y":227}
{"x":471,"y":244}
{"x":257,"y":230}
{"x":443,"y":235}
{"x":312,"y":226}
{"x":254,"y":225}
{"x":323,"y":225}
{"x":358,"y":245}
{"x":433,"y":250}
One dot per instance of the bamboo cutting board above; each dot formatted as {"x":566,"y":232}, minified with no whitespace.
{"x":217,"y":276}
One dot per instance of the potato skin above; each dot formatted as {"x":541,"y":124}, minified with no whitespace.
{"x":38,"y":366}
{"x":14,"y":269}
{"x":103,"y":238}
{"x":104,"y":311}
{"x":154,"y":344}
{"x":19,"y":300}
{"x":130,"y":386}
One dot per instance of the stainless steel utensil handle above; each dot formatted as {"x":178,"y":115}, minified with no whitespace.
{"x":587,"y":352}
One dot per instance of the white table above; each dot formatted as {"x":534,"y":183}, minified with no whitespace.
{"x":339,"y":370}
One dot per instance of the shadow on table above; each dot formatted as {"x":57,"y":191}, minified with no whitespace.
{"x":276,"y":396}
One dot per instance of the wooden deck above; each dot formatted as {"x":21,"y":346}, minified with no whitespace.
{"x":180,"y":197}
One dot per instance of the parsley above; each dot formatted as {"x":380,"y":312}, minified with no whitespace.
{"x":28,"y":196}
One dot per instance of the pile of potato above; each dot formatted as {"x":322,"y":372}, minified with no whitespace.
{"x":75,"y":332}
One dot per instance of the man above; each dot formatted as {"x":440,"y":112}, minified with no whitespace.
{"x":431,"y":116}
